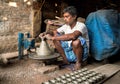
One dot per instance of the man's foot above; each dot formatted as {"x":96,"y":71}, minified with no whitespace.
{"x":69,"y":67}
{"x":62,"y":63}
{"x":77,"y":66}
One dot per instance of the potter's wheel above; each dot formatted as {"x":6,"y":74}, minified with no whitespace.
{"x":38,"y":57}
{"x":43,"y":52}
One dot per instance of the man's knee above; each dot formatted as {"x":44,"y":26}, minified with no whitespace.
{"x":76,"y":43}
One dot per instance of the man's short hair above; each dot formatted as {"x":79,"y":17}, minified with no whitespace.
{"x":71,"y":10}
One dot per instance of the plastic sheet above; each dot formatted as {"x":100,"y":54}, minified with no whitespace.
{"x":104,"y":33}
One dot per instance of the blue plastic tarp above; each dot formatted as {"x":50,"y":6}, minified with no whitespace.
{"x":104,"y":33}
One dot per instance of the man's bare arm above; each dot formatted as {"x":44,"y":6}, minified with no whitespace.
{"x":67,"y":37}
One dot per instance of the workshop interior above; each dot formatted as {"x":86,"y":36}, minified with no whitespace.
{"x":22,"y":22}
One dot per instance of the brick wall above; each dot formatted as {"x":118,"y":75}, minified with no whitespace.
{"x":12,"y":21}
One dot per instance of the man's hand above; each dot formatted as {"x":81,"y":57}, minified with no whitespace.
{"x":48,"y":36}
{"x":42,"y":35}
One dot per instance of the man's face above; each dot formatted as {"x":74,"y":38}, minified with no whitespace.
{"x":69,"y":19}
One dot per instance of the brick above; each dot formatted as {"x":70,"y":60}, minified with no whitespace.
{"x":47,"y":69}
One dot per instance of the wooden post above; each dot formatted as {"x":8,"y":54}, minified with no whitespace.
{"x":36,"y":22}
{"x":36,"y":17}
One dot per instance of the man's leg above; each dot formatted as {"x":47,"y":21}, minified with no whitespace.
{"x":61,"y":51}
{"x":78,"y":50}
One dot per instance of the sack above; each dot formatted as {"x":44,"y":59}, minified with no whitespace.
{"x":104,"y":33}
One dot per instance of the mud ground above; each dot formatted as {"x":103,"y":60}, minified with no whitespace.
{"x":25,"y":72}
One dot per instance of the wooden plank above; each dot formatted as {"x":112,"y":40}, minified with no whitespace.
{"x":114,"y":79}
{"x":108,"y":69}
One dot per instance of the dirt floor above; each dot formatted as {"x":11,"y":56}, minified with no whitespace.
{"x":26,"y":71}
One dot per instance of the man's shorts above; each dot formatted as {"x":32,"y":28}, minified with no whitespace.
{"x":69,"y":51}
